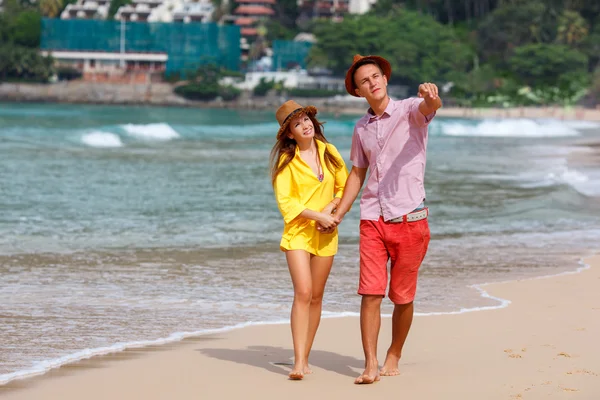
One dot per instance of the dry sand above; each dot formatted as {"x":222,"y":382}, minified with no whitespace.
{"x":543,"y":345}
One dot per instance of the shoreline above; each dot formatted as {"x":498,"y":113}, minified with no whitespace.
{"x":162,"y":95}
{"x":26,"y":378}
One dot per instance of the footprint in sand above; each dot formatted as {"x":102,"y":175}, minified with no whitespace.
{"x":582,"y":372}
{"x":569,"y":389}
{"x":511,"y":353}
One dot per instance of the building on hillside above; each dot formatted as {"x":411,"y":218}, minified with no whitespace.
{"x":136,"y":51}
{"x":194,"y":12}
{"x":138,"y":10}
{"x":249,"y":15}
{"x":360,"y":6}
{"x":331,"y":9}
{"x":86,"y":9}
{"x":167,"y":11}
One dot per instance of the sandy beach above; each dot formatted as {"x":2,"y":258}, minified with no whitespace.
{"x":541,"y":345}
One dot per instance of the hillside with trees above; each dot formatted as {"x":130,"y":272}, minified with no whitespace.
{"x":486,"y":52}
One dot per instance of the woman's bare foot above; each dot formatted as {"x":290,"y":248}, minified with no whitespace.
{"x":370,"y":375}
{"x":296,"y":375}
{"x":306,"y":370}
{"x":390,"y":366}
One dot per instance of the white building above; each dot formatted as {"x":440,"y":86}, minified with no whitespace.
{"x":138,"y":10}
{"x":360,"y":6}
{"x":86,"y":9}
{"x":167,"y":11}
{"x":194,"y":12}
{"x":143,"y":10}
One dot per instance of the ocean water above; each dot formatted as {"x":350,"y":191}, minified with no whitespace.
{"x":124,"y":226}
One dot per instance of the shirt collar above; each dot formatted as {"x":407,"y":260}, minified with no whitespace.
{"x":387,"y":112}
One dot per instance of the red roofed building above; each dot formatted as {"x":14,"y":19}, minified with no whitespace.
{"x":249,"y":15}
{"x":254,"y":10}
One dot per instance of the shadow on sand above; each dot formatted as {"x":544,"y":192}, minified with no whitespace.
{"x":273,"y":358}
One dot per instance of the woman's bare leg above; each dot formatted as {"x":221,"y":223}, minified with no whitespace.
{"x":319,"y":269}
{"x":299,"y":266}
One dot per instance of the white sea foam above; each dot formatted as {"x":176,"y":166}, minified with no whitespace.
{"x":582,"y":124}
{"x":159,"y":131}
{"x":101,"y":139}
{"x":509,"y":128}
{"x":559,"y":175}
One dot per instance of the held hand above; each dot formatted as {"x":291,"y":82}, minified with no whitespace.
{"x":329,"y":208}
{"x":429,"y":92}
{"x":338,"y":218}
{"x":323,"y":230}
{"x":326,"y":221}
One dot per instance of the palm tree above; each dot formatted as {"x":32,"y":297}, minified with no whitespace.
{"x":51,"y":8}
{"x":572,"y":28}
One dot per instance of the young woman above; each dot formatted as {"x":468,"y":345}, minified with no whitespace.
{"x":308,"y":176}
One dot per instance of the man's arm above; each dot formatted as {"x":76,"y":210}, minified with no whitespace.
{"x":354,"y":183}
{"x":429,"y":92}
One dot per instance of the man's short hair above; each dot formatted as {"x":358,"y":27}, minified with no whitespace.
{"x":365,"y":62}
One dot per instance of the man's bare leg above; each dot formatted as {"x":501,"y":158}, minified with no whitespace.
{"x":401,"y":322}
{"x":370,"y":322}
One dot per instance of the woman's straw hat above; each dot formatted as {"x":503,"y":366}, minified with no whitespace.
{"x":286,"y":112}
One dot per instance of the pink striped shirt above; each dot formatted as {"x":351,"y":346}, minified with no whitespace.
{"x":394,"y":147}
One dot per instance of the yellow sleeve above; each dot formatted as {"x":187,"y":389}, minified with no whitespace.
{"x":288,"y":200}
{"x":341,"y":175}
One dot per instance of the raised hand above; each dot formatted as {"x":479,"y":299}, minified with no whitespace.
{"x":429,"y":91}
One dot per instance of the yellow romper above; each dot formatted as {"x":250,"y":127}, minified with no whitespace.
{"x":298,"y":188}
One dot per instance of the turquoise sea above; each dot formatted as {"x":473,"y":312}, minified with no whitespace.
{"x":123,"y":226}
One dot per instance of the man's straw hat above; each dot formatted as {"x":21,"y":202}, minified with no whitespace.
{"x":382,"y":62}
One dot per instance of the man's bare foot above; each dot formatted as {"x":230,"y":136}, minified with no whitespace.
{"x":390,"y":366}
{"x":296,"y":375}
{"x":370,"y":375}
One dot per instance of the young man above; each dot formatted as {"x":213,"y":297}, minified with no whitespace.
{"x":390,"y":142}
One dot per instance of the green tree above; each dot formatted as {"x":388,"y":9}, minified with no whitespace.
{"x":276,"y":30}
{"x":419,"y":48}
{"x":21,"y":63}
{"x":114,"y":7}
{"x":28,"y":29}
{"x":591,"y":46}
{"x":514,"y":25}
{"x":286,"y":12}
{"x":551,"y":68}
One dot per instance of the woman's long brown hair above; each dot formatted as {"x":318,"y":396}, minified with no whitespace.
{"x":285,"y":149}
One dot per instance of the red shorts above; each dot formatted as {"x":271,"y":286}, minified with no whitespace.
{"x":405,"y":244}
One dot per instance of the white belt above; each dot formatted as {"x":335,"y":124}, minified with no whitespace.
{"x":412,"y":217}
